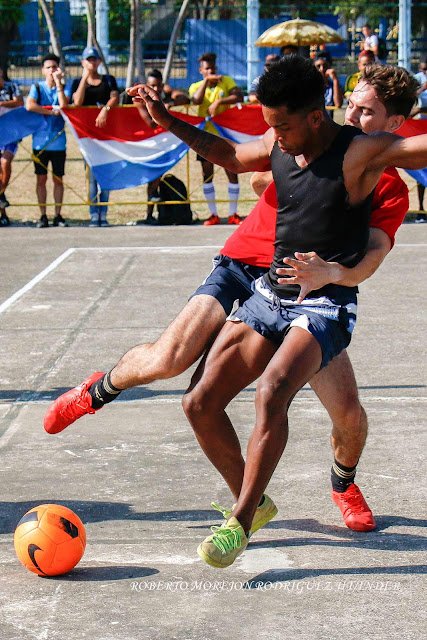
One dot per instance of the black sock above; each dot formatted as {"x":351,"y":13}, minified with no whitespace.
{"x":102,"y":391}
{"x":342,"y":477}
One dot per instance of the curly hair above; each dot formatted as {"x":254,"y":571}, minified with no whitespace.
{"x":294,"y":83}
{"x":394,"y":86}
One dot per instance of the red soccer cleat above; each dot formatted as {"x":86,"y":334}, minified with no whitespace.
{"x":70,"y":406}
{"x":234,"y":219}
{"x":212,"y":220}
{"x":354,"y":508}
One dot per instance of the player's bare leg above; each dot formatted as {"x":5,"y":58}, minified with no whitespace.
{"x":183,"y":342}
{"x":233,"y":362}
{"x":336,"y":387}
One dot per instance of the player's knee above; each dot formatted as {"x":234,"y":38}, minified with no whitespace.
{"x":349,"y":413}
{"x":274,"y":394}
{"x":194,"y":405}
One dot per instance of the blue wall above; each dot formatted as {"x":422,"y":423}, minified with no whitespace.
{"x":227,"y":38}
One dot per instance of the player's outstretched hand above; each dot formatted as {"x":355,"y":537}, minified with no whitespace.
{"x":155,"y":106}
{"x":307,"y":270}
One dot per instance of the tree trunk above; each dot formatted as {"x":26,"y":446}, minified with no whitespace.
{"x":91,"y":32}
{"x":7,"y":34}
{"x":139,"y":59}
{"x":136,"y":62}
{"x":173,"y":40}
{"x":55,"y":40}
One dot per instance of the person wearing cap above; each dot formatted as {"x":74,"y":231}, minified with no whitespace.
{"x":269,"y":60}
{"x":94,"y":89}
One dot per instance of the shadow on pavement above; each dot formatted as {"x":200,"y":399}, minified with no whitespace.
{"x":12,"y":512}
{"x":287,"y":575}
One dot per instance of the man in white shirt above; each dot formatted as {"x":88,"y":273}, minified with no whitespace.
{"x":370,"y":42}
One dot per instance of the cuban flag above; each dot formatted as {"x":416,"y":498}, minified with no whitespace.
{"x":127,"y":153}
{"x":18,"y":123}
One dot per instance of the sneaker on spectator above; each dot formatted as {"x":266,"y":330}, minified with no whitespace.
{"x":43,"y":222}
{"x":214,"y":219}
{"x":4,"y":202}
{"x":104,"y":223}
{"x":234,"y":219}
{"x":421,"y":217}
{"x":4,"y":220}
{"x":59,"y":221}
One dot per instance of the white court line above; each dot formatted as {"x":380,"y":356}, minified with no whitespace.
{"x":18,"y":294}
{"x":7,"y":303}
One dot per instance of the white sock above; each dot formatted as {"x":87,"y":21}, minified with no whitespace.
{"x":233,"y":196}
{"x":209,"y":193}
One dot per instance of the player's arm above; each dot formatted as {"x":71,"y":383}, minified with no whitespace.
{"x":368,"y":156}
{"x":238,"y":158}
{"x":310,"y":272}
{"x":260,"y":181}
{"x":395,"y":151}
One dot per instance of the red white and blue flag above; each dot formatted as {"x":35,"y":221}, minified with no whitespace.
{"x":127,"y":152}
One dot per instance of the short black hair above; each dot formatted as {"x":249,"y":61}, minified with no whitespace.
{"x":155,"y":73}
{"x":209,"y":57}
{"x":294,"y":83}
{"x":50,"y":56}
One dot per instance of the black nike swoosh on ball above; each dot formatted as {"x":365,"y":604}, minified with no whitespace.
{"x":32,"y":548}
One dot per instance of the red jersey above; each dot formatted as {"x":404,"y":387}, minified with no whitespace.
{"x":253,"y":241}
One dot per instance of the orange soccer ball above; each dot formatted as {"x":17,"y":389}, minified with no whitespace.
{"x":50,"y":540}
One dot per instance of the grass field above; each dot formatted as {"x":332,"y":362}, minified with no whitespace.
{"x":128,"y":204}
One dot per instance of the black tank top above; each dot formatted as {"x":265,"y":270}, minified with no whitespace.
{"x":314,"y":214}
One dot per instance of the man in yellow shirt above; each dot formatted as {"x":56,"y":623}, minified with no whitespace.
{"x":214,"y":94}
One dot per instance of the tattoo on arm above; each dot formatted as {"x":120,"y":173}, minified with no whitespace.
{"x":201,"y":141}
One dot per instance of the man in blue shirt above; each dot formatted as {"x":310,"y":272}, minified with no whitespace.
{"x":10,"y":98}
{"x":49,"y":142}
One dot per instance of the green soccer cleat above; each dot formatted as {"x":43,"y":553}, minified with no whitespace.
{"x":264,"y":513}
{"x":225,"y":544}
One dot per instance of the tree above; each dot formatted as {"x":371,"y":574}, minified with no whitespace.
{"x":91,"y":32}
{"x":136,"y":62}
{"x":173,"y":39}
{"x":55,"y":40}
{"x":11,"y":15}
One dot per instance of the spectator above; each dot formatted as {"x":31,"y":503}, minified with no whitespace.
{"x":269,"y":60}
{"x":49,"y":143}
{"x":10,"y":98}
{"x":214,"y":94}
{"x":94,"y":89}
{"x":333,"y":92}
{"x":288,"y":50}
{"x":365,"y":58}
{"x":370,"y":41}
{"x":171,"y":97}
{"x":421,"y":111}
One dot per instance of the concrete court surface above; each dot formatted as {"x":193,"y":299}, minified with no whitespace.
{"x":136,"y":477}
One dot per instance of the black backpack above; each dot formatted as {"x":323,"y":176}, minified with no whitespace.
{"x":172,"y":188}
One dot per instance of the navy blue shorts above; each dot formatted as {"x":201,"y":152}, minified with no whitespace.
{"x":329,"y":321}
{"x":230,"y":282}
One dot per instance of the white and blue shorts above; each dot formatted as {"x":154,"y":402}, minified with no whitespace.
{"x":331,"y":322}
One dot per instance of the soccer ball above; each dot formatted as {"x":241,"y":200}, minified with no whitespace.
{"x":50,"y":540}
